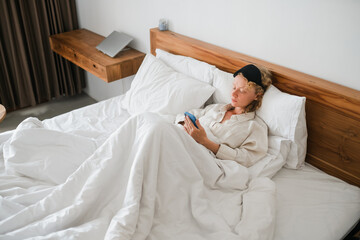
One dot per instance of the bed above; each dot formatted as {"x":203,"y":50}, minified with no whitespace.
{"x":102,"y":177}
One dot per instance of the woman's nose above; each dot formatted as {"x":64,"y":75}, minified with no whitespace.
{"x":233,"y":93}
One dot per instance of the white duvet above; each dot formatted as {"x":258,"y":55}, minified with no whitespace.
{"x":148,"y":179}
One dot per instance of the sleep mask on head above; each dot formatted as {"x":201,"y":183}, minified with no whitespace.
{"x":251,"y":73}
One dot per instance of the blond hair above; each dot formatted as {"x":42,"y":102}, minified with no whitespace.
{"x":266,"y":80}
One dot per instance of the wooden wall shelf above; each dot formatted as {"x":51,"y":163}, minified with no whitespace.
{"x":79,"y":47}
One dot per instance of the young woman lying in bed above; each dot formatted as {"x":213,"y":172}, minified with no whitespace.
{"x":243,"y":135}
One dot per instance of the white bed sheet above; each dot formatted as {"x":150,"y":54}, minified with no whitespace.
{"x":314,"y":205}
{"x":310,"y":203}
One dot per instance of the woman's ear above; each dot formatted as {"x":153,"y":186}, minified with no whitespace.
{"x":258,"y":96}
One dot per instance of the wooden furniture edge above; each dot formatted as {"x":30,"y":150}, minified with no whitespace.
{"x":2,"y":112}
{"x":57,"y":47}
{"x":125,"y":64}
{"x":333,"y":170}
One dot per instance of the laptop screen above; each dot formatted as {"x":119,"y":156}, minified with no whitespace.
{"x":114,"y":43}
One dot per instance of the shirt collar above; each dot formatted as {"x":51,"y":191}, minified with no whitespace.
{"x":238,"y":117}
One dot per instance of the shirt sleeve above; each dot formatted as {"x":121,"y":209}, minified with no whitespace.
{"x":198,"y":113}
{"x":250,"y":151}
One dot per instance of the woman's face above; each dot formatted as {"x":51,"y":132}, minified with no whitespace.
{"x":242,"y":95}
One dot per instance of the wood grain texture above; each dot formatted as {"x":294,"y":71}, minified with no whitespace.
{"x":332,"y":110}
{"x":2,"y":113}
{"x":79,"y":47}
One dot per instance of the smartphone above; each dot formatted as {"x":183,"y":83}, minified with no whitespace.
{"x":192,"y":118}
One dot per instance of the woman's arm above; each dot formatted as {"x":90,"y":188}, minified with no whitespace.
{"x":212,"y":146}
{"x":251,"y":141}
{"x":199,"y":135}
{"x":252,"y":149}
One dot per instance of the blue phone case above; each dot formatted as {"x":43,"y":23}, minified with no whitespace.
{"x":192,"y":118}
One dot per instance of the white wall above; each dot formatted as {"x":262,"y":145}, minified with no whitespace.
{"x":321,"y":37}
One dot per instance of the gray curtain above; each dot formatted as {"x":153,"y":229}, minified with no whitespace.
{"x":30,"y":73}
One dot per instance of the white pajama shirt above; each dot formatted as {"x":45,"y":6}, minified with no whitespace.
{"x":242,"y":138}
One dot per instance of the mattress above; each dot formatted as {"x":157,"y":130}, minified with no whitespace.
{"x":310,"y":203}
{"x":314,"y":205}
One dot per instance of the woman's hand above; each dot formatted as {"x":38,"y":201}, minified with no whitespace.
{"x":199,"y":135}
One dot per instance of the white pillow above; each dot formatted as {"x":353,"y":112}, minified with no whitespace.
{"x":189,"y":66}
{"x":274,"y":160}
{"x":223,"y":83}
{"x":158,"y":88}
{"x":284,"y":114}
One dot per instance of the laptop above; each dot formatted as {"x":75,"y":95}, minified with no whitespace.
{"x":114,"y":43}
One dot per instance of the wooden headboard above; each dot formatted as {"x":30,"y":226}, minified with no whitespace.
{"x":332,"y":110}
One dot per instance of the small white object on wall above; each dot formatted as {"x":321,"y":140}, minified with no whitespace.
{"x":163,"y":24}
